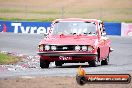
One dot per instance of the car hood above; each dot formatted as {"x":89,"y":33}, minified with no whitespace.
{"x":69,"y":40}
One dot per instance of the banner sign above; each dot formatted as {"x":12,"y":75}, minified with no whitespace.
{"x":42,"y":27}
{"x":113,"y":28}
{"x":24,"y":27}
{"x":83,"y":78}
{"x":126,"y":29}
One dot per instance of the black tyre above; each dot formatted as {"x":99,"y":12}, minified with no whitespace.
{"x":106,"y":61}
{"x":93,"y":63}
{"x":44,"y":64}
{"x":57,"y":63}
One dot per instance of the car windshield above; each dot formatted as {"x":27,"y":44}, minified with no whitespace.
{"x":74,"y":28}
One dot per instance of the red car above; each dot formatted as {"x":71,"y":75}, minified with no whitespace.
{"x":75,"y":40}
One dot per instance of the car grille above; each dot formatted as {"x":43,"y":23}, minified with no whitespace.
{"x":65,"y":47}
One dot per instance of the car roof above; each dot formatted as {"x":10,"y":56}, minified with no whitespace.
{"x":77,"y":19}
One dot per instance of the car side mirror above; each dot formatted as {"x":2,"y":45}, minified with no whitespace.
{"x":45,"y":34}
{"x":103,"y":34}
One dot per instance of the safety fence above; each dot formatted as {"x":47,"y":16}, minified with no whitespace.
{"x":112,"y":28}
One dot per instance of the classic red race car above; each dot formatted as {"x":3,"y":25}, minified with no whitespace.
{"x":75,"y":40}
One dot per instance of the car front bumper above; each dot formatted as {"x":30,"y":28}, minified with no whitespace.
{"x":66,"y":53}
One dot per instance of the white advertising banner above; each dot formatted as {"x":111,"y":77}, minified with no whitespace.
{"x":126,"y":29}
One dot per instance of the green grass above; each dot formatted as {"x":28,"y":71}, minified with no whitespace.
{"x":51,"y":19}
{"x":5,"y":10}
{"x":105,"y":14}
{"x":30,"y":10}
{"x":8,"y":10}
{"x":117,"y":20}
{"x":8,"y":59}
{"x":20,"y":19}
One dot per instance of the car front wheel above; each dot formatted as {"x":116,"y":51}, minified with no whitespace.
{"x":44,"y":64}
{"x":93,"y":63}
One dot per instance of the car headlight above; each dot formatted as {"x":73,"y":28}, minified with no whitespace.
{"x":53,"y":48}
{"x":77,"y":48}
{"x":41,"y":47}
{"x":90,"y":48}
{"x":84,"y":48}
{"x":47,"y":47}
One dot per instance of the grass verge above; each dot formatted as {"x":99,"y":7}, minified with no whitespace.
{"x":8,"y":59}
{"x":20,"y":19}
{"x":51,"y":19}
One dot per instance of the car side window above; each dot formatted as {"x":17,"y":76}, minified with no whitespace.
{"x":102,"y":29}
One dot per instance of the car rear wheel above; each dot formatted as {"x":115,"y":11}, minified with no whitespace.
{"x":106,"y":61}
{"x":44,"y":64}
{"x":57,"y":63}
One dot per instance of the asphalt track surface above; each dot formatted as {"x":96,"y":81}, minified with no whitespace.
{"x":120,"y":58}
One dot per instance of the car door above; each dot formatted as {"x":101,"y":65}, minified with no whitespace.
{"x":101,"y":48}
{"x":103,"y":44}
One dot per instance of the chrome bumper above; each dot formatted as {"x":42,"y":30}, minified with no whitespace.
{"x":63,"y":53}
